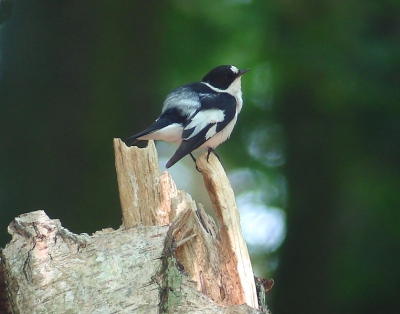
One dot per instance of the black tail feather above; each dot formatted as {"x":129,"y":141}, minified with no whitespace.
{"x":131,"y":141}
{"x":184,"y":149}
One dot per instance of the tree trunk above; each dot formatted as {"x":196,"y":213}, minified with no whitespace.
{"x":168,"y":256}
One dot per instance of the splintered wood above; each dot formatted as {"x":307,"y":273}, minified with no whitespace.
{"x":169,"y":256}
{"x":217,"y":259}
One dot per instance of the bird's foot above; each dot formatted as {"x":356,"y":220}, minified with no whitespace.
{"x":215,"y":153}
{"x":195,"y":162}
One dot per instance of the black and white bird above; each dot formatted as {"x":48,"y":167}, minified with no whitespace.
{"x":198,"y":115}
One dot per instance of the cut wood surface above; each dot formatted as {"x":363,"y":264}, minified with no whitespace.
{"x":138,"y":183}
{"x":168,"y":257}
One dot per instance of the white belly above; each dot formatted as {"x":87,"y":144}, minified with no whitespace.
{"x":221,"y":136}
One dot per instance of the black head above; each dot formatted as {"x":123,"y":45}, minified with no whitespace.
{"x":223,"y":76}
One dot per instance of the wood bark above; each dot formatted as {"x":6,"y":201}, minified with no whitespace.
{"x":169,"y":256}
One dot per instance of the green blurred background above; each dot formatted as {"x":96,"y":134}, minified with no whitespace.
{"x":317,"y":142}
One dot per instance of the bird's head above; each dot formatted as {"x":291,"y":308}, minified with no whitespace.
{"x":223,"y":76}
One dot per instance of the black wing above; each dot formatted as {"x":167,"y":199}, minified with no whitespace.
{"x":216,"y":111}
{"x":177,"y":107}
{"x":168,"y":117}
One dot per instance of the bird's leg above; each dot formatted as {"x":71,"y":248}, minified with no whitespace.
{"x":195,"y":162}
{"x":210,"y":149}
{"x":194,"y":159}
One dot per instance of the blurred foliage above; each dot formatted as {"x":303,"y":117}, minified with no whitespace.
{"x":321,"y":108}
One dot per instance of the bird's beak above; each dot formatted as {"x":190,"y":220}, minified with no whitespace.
{"x":241,"y":72}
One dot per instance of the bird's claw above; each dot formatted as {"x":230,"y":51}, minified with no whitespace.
{"x":215,"y":153}
{"x":195,"y":162}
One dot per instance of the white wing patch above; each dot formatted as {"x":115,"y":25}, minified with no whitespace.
{"x":221,"y":136}
{"x":204,"y":118}
{"x":211,"y":132}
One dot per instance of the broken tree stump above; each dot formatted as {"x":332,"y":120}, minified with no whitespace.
{"x":169,"y":256}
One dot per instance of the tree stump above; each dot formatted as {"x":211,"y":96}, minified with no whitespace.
{"x":169,"y":256}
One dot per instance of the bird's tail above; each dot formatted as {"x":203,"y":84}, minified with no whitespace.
{"x":131,"y":141}
{"x":184,"y":149}
{"x":139,"y":136}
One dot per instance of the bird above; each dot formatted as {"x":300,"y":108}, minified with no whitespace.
{"x":199,"y":115}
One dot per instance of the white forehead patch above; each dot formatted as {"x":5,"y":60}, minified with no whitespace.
{"x":234,"y":69}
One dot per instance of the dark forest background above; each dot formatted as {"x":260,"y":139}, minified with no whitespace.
{"x":324,"y":74}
